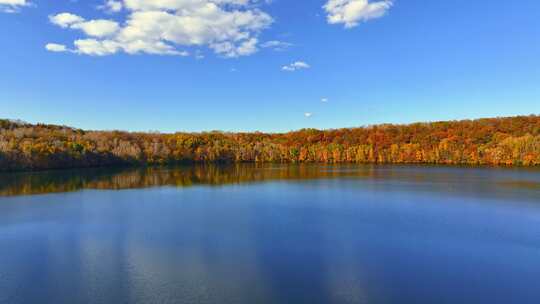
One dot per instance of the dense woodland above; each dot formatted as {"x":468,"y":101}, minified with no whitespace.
{"x":494,"y":141}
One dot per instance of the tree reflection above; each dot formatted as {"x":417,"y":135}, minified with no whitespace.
{"x":179,"y":176}
{"x":495,"y":182}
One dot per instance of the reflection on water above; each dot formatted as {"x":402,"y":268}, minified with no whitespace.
{"x":289,"y":234}
{"x":497,"y":182}
{"x":131,"y":178}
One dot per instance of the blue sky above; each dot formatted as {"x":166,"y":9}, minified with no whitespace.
{"x":170,"y":65}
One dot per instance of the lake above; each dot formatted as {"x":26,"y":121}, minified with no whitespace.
{"x":271,"y":234}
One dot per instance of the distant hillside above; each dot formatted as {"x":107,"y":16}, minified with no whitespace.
{"x":493,"y":141}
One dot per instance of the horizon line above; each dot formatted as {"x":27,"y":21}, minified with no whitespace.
{"x":20,"y":121}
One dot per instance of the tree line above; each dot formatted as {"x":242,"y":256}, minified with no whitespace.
{"x":491,"y":141}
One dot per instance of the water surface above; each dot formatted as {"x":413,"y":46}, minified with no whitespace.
{"x":271,"y":234}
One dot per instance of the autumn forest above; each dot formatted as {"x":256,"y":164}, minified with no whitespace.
{"x":493,"y":141}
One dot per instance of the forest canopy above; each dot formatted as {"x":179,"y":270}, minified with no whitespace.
{"x":491,"y":141}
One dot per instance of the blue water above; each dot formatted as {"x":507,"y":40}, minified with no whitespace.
{"x":365,"y":235}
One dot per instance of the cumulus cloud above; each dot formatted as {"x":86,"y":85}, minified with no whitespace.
{"x":308,"y":114}
{"x":95,"y":28}
{"x":96,"y":47}
{"x":12,"y":6}
{"x":352,"y":12}
{"x":55,"y":47}
{"x":324,"y":99}
{"x":295,"y":66}
{"x":228,"y":27}
{"x":65,"y":20}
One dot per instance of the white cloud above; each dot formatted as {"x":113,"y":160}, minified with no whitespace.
{"x":298,"y":65}
{"x":94,"y":28}
{"x":229,"y":49}
{"x":324,"y":99}
{"x":112,"y":6}
{"x":178,"y":4}
{"x":276,"y":45}
{"x":13,"y":2}
{"x":96,"y":47}
{"x":228,"y":27}
{"x":65,"y":20}
{"x":55,"y":47}
{"x":308,"y":114}
{"x":97,"y":28}
{"x":12,"y":6}
{"x":352,"y":12}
